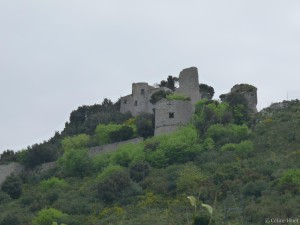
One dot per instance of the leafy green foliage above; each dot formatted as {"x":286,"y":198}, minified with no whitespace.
{"x":178,"y":97}
{"x":238,"y":106}
{"x":76,"y":162}
{"x":190,"y":179}
{"x":8,"y":156}
{"x":139,"y":170}
{"x":53,"y":183}
{"x":77,"y":141}
{"x":48,"y":216}
{"x":123,"y":134}
{"x":230,"y":133}
{"x":145,"y":125}
{"x":113,"y":133}
{"x":169,"y":83}
{"x":12,"y":186}
{"x":86,"y":118}
{"x":290,"y":180}
{"x":103,"y":131}
{"x":157,"y":96}
{"x":112,"y":182}
{"x":215,"y":157}
{"x":209,"y":113}
{"x":10,"y":219}
{"x":39,"y":153}
{"x":206,"y":91}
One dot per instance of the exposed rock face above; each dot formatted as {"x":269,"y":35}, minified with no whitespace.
{"x":249,"y":92}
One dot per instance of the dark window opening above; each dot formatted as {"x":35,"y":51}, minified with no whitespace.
{"x":153,"y":110}
{"x":171,"y":115}
{"x":143,"y":91}
{"x":125,"y":101}
{"x":135,"y":103}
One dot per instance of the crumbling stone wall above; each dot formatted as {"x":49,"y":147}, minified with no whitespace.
{"x":169,"y":114}
{"x":189,"y":84}
{"x":139,"y":100}
{"x":8,"y":169}
{"x":249,"y":92}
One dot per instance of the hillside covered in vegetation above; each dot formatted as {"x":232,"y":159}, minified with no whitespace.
{"x":228,"y":166}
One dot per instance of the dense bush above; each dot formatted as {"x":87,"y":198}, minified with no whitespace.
{"x":12,"y":186}
{"x":10,"y":219}
{"x":145,"y":125}
{"x":76,"y":162}
{"x":157,"y":96}
{"x":48,"y":216}
{"x":111,"y":183}
{"x":123,"y":134}
{"x":230,"y":133}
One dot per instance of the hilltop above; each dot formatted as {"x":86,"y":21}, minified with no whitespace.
{"x":241,"y":163}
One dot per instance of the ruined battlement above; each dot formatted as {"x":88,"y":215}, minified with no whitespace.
{"x":169,"y":114}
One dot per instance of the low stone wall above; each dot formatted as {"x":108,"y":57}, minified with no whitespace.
{"x":112,"y":147}
{"x":8,"y":169}
{"x":16,"y":168}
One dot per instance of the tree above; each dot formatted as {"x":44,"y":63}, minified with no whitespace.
{"x":170,"y":83}
{"x":48,"y":216}
{"x":145,"y":125}
{"x":12,"y":186}
{"x":112,"y":182}
{"x":10,"y":219}
{"x":8,"y":156}
{"x":157,"y":96}
{"x":76,"y":162}
{"x":206,"y":91}
{"x":123,"y":134}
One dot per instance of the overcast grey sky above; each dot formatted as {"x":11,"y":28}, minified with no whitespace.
{"x":57,"y":55}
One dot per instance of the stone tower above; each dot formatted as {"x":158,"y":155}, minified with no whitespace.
{"x":249,"y":92}
{"x":170,"y":114}
{"x":189,"y":84}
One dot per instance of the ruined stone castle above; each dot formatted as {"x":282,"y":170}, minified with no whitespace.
{"x":169,"y":114}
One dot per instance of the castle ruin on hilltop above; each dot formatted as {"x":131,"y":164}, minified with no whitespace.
{"x":169,"y":114}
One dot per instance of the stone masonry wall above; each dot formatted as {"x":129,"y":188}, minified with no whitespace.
{"x":170,"y":114}
{"x":8,"y":169}
{"x":112,"y":147}
{"x":139,"y":100}
{"x":189,"y":84}
{"x":249,"y":92}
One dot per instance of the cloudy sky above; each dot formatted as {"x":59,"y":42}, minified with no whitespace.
{"x":57,"y":55}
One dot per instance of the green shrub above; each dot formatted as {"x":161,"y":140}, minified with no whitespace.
{"x":103,"y":131}
{"x":231,"y":133}
{"x":112,"y":183}
{"x":290,"y":180}
{"x":157,"y":96}
{"x":48,"y":216}
{"x":10,"y":219}
{"x":12,"y":186}
{"x":101,"y":161}
{"x":76,"y":162}
{"x":254,"y":188}
{"x":145,"y":125}
{"x":139,"y":170}
{"x":77,"y":141}
{"x":53,"y":183}
{"x":127,"y":153}
{"x":123,"y":134}
{"x":178,"y":97}
{"x":190,"y":179}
